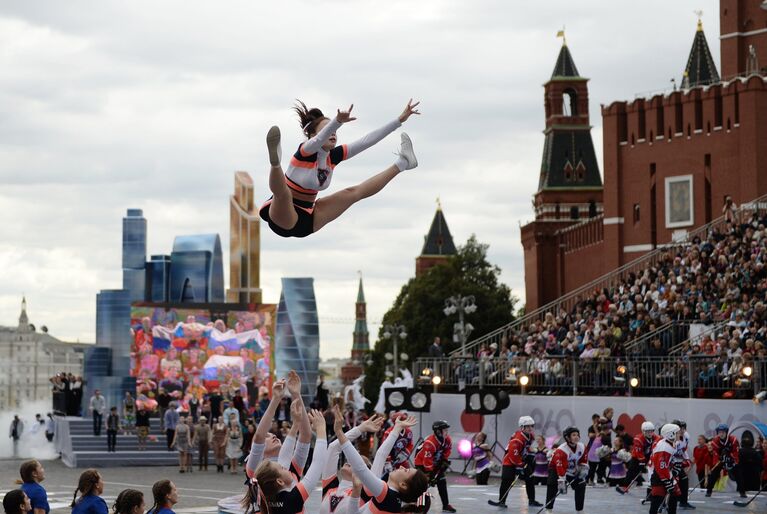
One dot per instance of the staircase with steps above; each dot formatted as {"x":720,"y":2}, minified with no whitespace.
{"x":81,"y":449}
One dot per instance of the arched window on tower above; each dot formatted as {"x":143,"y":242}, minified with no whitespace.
{"x":569,"y":103}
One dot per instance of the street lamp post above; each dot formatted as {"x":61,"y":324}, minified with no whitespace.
{"x":395,"y":332}
{"x":462,"y":305}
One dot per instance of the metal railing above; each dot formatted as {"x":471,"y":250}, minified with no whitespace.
{"x":680,"y":376}
{"x":614,"y":277}
{"x":710,"y":331}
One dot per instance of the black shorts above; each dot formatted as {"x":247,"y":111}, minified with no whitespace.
{"x":303,"y":227}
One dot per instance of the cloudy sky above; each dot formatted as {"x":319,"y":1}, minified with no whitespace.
{"x":106,"y":105}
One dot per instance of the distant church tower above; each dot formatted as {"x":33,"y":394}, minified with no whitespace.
{"x":438,"y":244}
{"x":569,"y":187}
{"x":23,"y":319}
{"x":360,"y":338}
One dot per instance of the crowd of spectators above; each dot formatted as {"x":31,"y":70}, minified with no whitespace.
{"x":716,"y":285}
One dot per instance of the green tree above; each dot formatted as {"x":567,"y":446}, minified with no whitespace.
{"x":420,"y":303}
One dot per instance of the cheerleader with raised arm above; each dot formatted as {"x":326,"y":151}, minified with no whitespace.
{"x":338,"y":482}
{"x":276,"y":487}
{"x":398,"y":491}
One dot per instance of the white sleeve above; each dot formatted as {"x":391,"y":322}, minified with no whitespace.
{"x":301,"y":455}
{"x":383,"y":451}
{"x":334,"y":450}
{"x":319,"y":458}
{"x":372,"y":482}
{"x":314,"y":144}
{"x":370,"y":139}
{"x":285,"y":456}
{"x":255,"y":457}
{"x":352,"y":505}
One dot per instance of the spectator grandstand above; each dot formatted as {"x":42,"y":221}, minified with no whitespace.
{"x":687,"y":319}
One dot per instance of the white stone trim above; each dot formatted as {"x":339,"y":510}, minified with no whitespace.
{"x":739,"y":34}
{"x":638,"y":248}
{"x":613,"y":221}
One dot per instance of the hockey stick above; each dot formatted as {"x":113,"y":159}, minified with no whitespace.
{"x":704,"y":478}
{"x":631,"y":484}
{"x":663,"y":506}
{"x":648,"y":496}
{"x":502,"y":499}
{"x":745,"y":504}
{"x":546,"y":503}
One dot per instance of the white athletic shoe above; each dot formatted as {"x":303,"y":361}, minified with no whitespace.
{"x":406,"y":152}
{"x":273,"y":144}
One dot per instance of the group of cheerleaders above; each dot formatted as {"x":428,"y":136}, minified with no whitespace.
{"x":277,"y":483}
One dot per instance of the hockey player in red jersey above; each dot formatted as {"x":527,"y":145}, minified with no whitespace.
{"x":664,"y":487}
{"x":433,"y":459}
{"x":569,"y":465}
{"x":518,"y":463}
{"x":640,"y":455}
{"x":725,"y":449}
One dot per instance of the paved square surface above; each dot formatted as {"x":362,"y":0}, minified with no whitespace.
{"x":201,"y":491}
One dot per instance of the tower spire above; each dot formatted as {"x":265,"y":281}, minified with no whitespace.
{"x":23,"y":318}
{"x":700,"y":69}
{"x":361,"y":343}
{"x":360,"y":292}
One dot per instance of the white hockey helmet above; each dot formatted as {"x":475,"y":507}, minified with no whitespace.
{"x":647,"y":425}
{"x":669,"y":431}
{"x":526,"y":421}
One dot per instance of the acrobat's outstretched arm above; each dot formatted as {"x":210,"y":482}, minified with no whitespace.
{"x":365,"y":142}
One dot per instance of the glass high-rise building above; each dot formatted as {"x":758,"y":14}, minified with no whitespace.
{"x":158,"y":278}
{"x":134,"y":254}
{"x":297,"y":345}
{"x":113,"y":327}
{"x":196,"y":269}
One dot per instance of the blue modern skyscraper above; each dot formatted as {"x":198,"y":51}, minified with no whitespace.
{"x":297,"y":345}
{"x":158,"y":278}
{"x":113,"y":327}
{"x":196,"y":269}
{"x":134,"y":254}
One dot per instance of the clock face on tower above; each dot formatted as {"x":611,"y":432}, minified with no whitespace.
{"x":679,"y":201}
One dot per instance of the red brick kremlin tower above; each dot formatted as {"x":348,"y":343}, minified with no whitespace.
{"x":669,"y":159}
{"x":569,"y":187}
{"x":361,"y":339}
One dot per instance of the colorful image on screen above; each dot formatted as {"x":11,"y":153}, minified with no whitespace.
{"x":189,"y":353}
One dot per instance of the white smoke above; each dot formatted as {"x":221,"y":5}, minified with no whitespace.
{"x":33,"y":444}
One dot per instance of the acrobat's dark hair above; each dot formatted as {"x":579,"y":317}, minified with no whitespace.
{"x":262,"y":490}
{"x":127,"y":500}
{"x":309,"y":118}
{"x":416,"y":486}
{"x":415,"y":507}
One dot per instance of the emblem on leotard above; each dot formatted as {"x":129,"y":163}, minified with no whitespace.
{"x":322,"y":176}
{"x":334,"y":501}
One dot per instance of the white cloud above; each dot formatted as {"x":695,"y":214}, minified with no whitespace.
{"x":112,"y":105}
